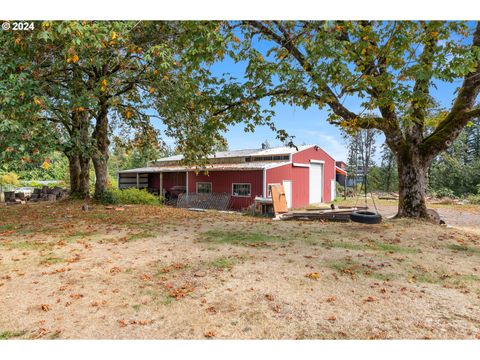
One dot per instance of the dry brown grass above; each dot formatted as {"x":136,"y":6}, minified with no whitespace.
{"x":156,"y":273}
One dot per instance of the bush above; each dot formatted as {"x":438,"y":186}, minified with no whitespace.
{"x":444,"y":192}
{"x":9,"y":179}
{"x":474,"y":199}
{"x":129,"y":196}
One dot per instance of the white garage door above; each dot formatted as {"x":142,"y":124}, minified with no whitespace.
{"x":287,"y":186}
{"x":316,"y":175}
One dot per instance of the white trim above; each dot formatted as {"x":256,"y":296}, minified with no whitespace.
{"x":264,"y":184}
{"x":317,"y":161}
{"x":203,"y":182}
{"x":249,"y":184}
{"x":290,"y":198}
{"x":322,"y":184}
{"x":301,"y":165}
{"x":270,"y":184}
{"x":273,"y":165}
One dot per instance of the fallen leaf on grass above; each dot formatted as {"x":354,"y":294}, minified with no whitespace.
{"x":139,"y":322}
{"x":146,"y":277}
{"x":76,"y":296}
{"x":332,"y":318}
{"x":122,"y":323}
{"x":331,"y":299}
{"x":211,"y":310}
{"x":181,"y":291}
{"x":40,"y":333}
{"x":172,"y":267}
{"x":45,"y":307}
{"x":269,"y":297}
{"x":115,"y":270}
{"x":209,"y":334}
{"x":370,"y":299}
{"x":313,"y":275}
{"x":276,"y":308}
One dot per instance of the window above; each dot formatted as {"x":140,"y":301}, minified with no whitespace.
{"x":204,"y":187}
{"x":269,"y":189}
{"x":267,"y":158}
{"x":241,"y":190}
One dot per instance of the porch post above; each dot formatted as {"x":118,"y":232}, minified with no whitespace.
{"x":186,"y":185}
{"x":161,"y":183}
{"x":138,"y":183}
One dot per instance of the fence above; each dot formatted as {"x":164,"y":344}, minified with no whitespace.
{"x":216,"y":201}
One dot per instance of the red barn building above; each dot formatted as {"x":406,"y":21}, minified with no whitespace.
{"x":307,"y":174}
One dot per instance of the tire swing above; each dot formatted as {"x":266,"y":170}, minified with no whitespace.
{"x":365,"y":216}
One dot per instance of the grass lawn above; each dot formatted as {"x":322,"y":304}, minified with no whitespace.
{"x":161,"y":273}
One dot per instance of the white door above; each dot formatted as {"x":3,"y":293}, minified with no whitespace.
{"x":333,"y":187}
{"x":287,"y":186}
{"x":316,"y":183}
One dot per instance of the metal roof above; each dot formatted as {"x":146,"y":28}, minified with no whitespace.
{"x":211,"y":167}
{"x":340,"y":170}
{"x":282,"y":150}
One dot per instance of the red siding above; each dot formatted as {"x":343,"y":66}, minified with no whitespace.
{"x":222,"y":182}
{"x":171,"y":179}
{"x":304,"y":157}
{"x":299,"y":178}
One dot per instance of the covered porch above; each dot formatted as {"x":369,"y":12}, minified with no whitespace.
{"x":155,"y":180}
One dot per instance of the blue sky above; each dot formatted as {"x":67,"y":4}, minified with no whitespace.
{"x":307,"y":126}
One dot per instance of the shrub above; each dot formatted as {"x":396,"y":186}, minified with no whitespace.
{"x":443,"y":192}
{"x":129,"y":196}
{"x":9,"y":179}
{"x":474,"y":199}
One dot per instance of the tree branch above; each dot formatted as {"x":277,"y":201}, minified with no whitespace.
{"x":286,"y":42}
{"x":450,"y":127}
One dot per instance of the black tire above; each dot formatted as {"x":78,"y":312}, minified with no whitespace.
{"x":366,"y":217}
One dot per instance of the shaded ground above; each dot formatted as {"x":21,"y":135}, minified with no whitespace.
{"x":151,"y":272}
{"x":464,"y":217}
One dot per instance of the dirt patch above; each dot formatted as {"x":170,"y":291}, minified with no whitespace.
{"x":161,"y":273}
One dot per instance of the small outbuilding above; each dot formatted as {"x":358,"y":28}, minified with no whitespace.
{"x":307,"y":173}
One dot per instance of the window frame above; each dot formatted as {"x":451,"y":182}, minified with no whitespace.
{"x":250,"y":191}
{"x":203,"y":182}
{"x":269,"y":191}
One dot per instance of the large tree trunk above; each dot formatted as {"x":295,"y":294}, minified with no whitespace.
{"x":84,"y":179}
{"x":101,"y":174}
{"x":100,"y":156}
{"x":79,"y":168}
{"x":412,"y":184}
{"x":74,"y":169}
{"x":78,"y":155}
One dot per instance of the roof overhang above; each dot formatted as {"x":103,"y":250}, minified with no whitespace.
{"x":212,"y":167}
{"x":340,"y":170}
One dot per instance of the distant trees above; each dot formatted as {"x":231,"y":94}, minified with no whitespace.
{"x":361,"y":150}
{"x":457,"y":171}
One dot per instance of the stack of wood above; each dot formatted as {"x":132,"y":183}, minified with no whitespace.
{"x":49,"y":194}
{"x":388,"y":196}
{"x":342,"y":214}
{"x":11,"y":198}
